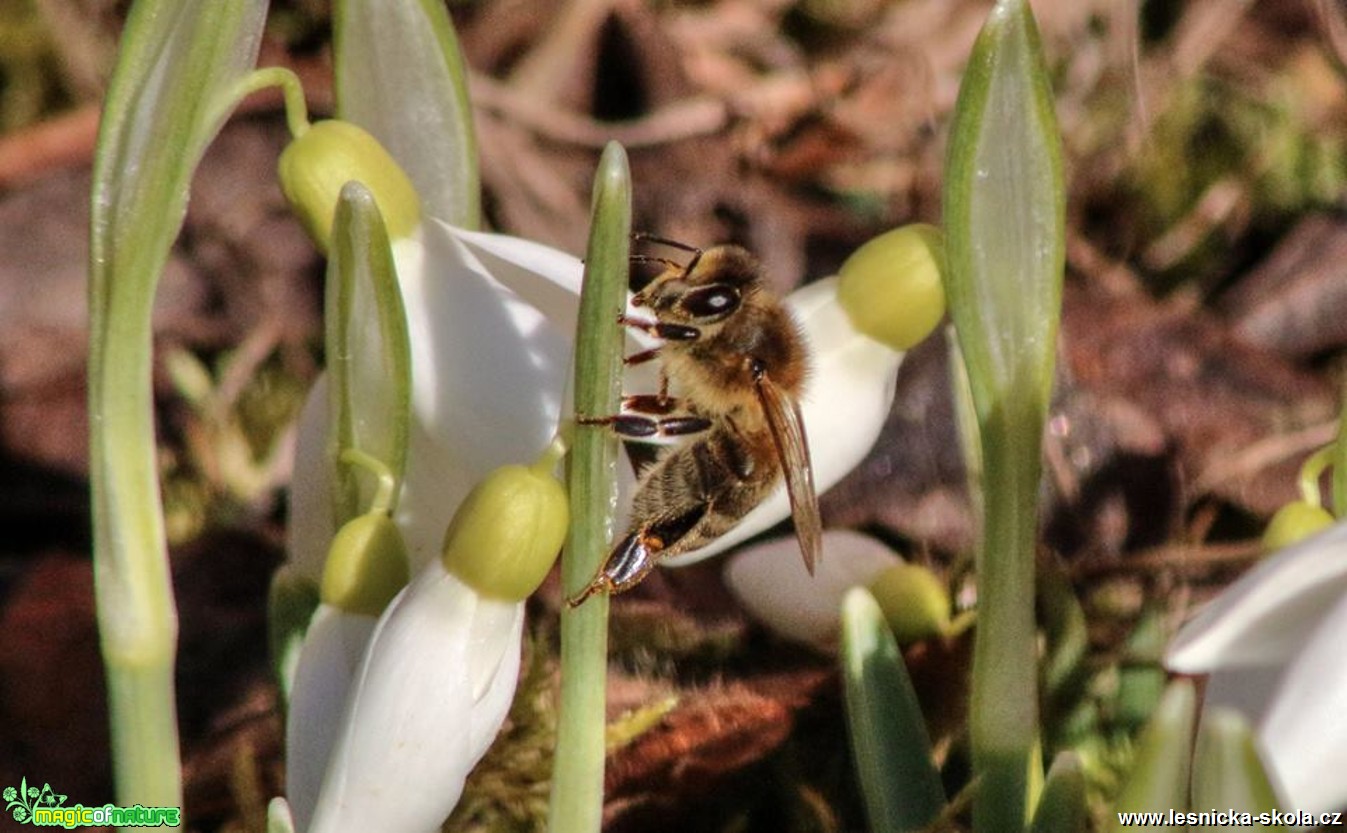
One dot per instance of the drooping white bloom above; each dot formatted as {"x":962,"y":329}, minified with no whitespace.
{"x":771,"y":582}
{"x":488,"y":369}
{"x":1273,"y":645}
{"x":490,"y":319}
{"x":435,"y":685}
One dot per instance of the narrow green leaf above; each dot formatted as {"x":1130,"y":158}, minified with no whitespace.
{"x":1061,"y":806}
{"x":577,"y":778}
{"x":278,"y":817}
{"x":1141,"y":679}
{"x":172,"y":88}
{"x":1004,"y":224}
{"x":1159,"y":779}
{"x":889,"y":742}
{"x":369,"y":355}
{"x":400,"y":75}
{"x":1227,"y":771}
{"x":1065,"y":669}
{"x":1339,"y":470}
{"x":291,"y":602}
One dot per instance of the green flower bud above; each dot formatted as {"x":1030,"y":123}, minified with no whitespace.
{"x":505,"y":536}
{"x":315,"y":166}
{"x":914,"y":600}
{"x":891,"y":286}
{"x":366,"y":565}
{"x":1293,"y":522}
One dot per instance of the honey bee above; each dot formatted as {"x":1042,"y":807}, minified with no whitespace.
{"x":736,"y":361}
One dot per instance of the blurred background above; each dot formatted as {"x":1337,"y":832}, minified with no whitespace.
{"x":1205,"y":314}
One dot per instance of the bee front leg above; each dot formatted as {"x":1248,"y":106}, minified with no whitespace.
{"x":661,"y":329}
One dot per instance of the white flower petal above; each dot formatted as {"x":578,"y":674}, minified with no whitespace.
{"x":332,"y":649}
{"x":771,"y":582}
{"x":1270,"y":612}
{"x":845,"y":403}
{"x":417,"y":722}
{"x":1304,"y":734}
{"x":488,"y":373}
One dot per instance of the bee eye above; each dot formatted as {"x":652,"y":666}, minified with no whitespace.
{"x":711,"y":301}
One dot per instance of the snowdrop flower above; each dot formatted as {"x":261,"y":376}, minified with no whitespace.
{"x":774,"y":587}
{"x":771,"y":582}
{"x":413,"y":701}
{"x":393,"y":726}
{"x":1272,"y":643}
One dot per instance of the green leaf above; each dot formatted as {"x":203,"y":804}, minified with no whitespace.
{"x":892,"y":750}
{"x":369,"y":355}
{"x":577,"y":777}
{"x":1141,"y":679}
{"x":1061,"y":806}
{"x":177,"y":77}
{"x":278,"y":816}
{"x":1339,"y":462}
{"x":1005,"y":214}
{"x":1159,"y":778}
{"x":400,"y":75}
{"x":291,"y":602}
{"x":1227,"y":771}
{"x":1005,"y":242}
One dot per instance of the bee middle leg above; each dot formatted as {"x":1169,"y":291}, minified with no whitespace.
{"x":640,"y":426}
{"x":651,"y":415}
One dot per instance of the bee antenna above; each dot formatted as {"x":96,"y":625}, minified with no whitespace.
{"x":638,"y":236}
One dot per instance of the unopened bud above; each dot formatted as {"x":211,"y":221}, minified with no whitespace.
{"x":1293,"y":522}
{"x":914,"y":600}
{"x":505,"y":536}
{"x":891,"y":287}
{"x":366,"y":565}
{"x":315,"y":166}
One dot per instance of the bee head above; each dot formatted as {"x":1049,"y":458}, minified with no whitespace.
{"x":707,"y":291}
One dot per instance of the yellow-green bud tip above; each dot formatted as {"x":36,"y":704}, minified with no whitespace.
{"x":1293,"y":522}
{"x":315,"y":166}
{"x":915,"y":602}
{"x":505,"y":536}
{"x":366,"y":565}
{"x":891,"y":287}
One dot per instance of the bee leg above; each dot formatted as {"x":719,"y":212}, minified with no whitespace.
{"x":661,"y":329}
{"x":628,"y":563}
{"x":641,"y":357}
{"x":638,"y":426}
{"x":661,"y":404}
{"x":636,"y":554}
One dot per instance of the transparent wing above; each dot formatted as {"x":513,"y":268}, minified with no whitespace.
{"x":783,"y":416}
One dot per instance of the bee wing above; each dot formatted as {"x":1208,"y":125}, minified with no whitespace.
{"x":787,"y":424}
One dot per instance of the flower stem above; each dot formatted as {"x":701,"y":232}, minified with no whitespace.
{"x":167,"y":98}
{"x":1310,"y":472}
{"x":296,"y":109}
{"x":387,"y":481}
{"x":577,"y":777}
{"x":1004,"y":713}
